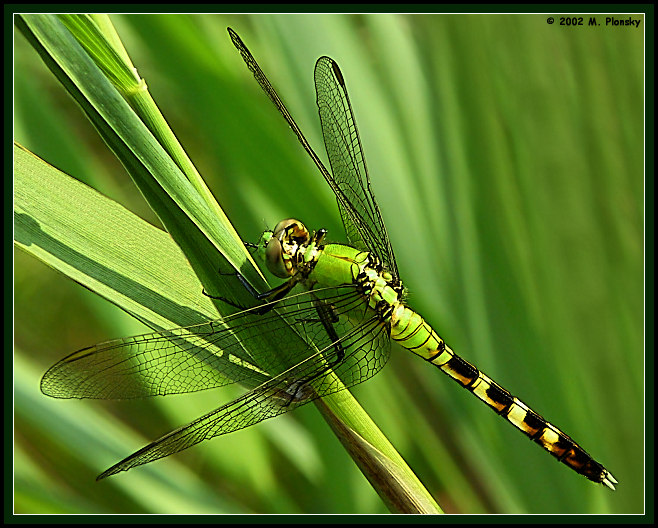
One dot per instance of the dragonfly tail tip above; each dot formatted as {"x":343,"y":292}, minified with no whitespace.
{"x":608,"y":480}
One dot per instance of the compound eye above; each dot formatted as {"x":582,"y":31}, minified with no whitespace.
{"x":291,"y":231}
{"x":274,"y":260}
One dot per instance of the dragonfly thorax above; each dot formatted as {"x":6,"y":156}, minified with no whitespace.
{"x":384,"y":292}
{"x":290,"y":250}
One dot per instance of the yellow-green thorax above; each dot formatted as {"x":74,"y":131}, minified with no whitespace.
{"x":290,"y":251}
{"x":337,"y":264}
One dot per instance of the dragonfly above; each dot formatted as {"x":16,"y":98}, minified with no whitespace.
{"x":291,"y":348}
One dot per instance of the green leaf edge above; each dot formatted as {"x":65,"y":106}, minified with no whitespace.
{"x":341,"y":407}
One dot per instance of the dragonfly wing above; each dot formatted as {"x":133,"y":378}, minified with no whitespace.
{"x":159,"y":363}
{"x":245,"y":347}
{"x":366,"y":347}
{"x":350,"y":180}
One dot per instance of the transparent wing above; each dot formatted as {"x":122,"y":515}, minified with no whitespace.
{"x":350,"y":181}
{"x":175,"y":361}
{"x":245,"y":347}
{"x":348,"y":350}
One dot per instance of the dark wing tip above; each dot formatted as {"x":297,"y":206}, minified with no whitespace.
{"x":334,"y":68}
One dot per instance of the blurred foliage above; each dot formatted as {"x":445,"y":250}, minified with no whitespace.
{"x":507,"y":157}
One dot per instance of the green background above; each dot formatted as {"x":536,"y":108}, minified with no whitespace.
{"x":506,"y":154}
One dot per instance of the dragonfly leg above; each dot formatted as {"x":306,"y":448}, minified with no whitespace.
{"x":269,"y":297}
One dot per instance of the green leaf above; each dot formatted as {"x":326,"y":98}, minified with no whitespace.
{"x":181,"y":200}
{"x":104,"y":247}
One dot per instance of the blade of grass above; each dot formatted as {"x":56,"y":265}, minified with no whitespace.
{"x":160,"y":180}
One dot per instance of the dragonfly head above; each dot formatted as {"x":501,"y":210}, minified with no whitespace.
{"x":278,"y":248}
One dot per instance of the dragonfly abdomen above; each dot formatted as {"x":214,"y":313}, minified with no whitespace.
{"x":413,"y":333}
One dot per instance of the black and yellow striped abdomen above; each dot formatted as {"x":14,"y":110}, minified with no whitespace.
{"x":412,"y":332}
